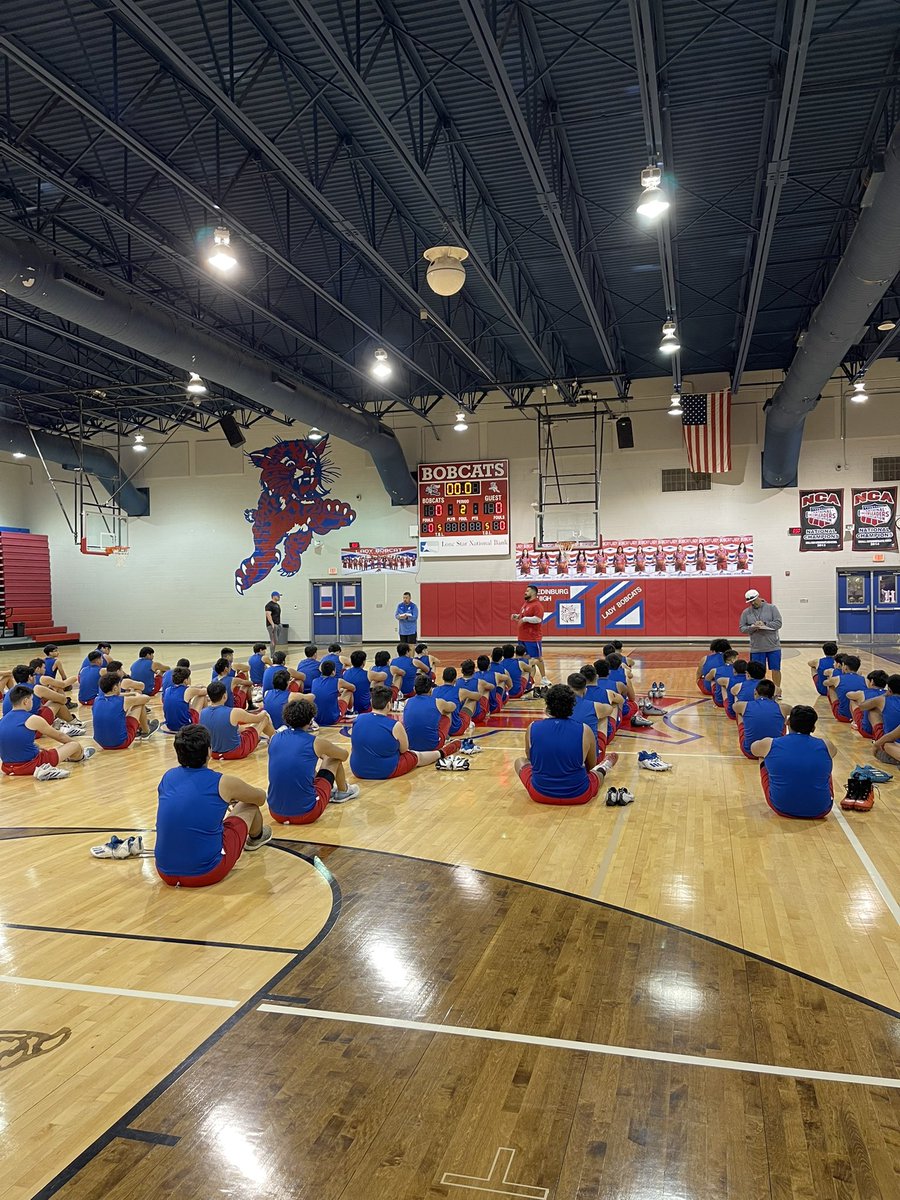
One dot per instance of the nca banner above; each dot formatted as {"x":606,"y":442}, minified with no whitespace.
{"x":822,"y":520}
{"x":874,"y":518}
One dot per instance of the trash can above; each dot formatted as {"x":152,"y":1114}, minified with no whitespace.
{"x":285,"y":638}
{"x":18,"y":629}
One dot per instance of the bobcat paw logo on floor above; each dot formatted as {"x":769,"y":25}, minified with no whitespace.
{"x":292,"y":508}
{"x":18,"y":1045}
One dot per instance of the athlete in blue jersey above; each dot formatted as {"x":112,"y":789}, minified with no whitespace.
{"x":866,"y":720}
{"x":744,"y":685}
{"x":335,"y":655}
{"x":278,"y":696}
{"x":603,"y":690}
{"x":53,"y":667}
{"x":880,"y":712}
{"x":886,"y":748}
{"x":309,"y":667}
{"x":19,"y":751}
{"x":379,"y":747}
{"x":238,"y":679}
{"x":796,"y":769}
{"x":332,"y":696}
{"x":761,"y":717}
{"x":257,"y":663}
{"x":738,"y":676}
{"x":359,"y":678}
{"x":234,"y":733}
{"x":204,"y":819}
{"x":380,"y":671}
{"x":471,"y":682}
{"x":529,"y":669}
{"x":105,"y":649}
{"x":48,"y":698}
{"x":840,"y":685}
{"x":427,"y":719}
{"x":822,"y":667}
{"x":463,"y":699}
{"x":591,"y":712}
{"x":120,"y":717}
{"x":182,"y":702}
{"x":146,"y":671}
{"x":403,"y":672}
{"x":707,"y":671}
{"x":306,"y":770}
{"x":279,"y":663}
{"x":560,"y":766}
{"x":167,"y":675}
{"x":89,"y":678}
{"x":423,"y":661}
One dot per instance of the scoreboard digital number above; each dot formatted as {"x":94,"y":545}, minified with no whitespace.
{"x":464,"y":509}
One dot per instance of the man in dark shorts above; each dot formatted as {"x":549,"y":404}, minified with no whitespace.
{"x":204,"y":820}
{"x":273,"y":619}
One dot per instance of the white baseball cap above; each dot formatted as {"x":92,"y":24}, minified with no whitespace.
{"x":751,"y":594}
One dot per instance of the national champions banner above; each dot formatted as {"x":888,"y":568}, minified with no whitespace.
{"x":822,"y":520}
{"x":874,"y":518}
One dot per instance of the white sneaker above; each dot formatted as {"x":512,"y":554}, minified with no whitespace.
{"x":47,"y":772}
{"x":342,"y":797}
{"x":469,"y":746}
{"x":73,"y":729}
{"x":652,"y":762}
{"x":89,"y":752}
{"x":116,"y":847}
{"x":453,"y":762}
{"x":313,"y":727}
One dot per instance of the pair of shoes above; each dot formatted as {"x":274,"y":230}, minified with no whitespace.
{"x":342,"y":797}
{"x":47,"y":772}
{"x":452,"y":762}
{"x":873,"y":773}
{"x":652,"y":710}
{"x":650,"y":761}
{"x":152,"y":727}
{"x":619,"y":796}
{"x":470,"y":746}
{"x":848,"y":804}
{"x":255,"y":843}
{"x":639,"y":722}
{"x":653,"y":691}
{"x":117,"y":847}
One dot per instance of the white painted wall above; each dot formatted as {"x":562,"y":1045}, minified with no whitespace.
{"x":178,"y":583}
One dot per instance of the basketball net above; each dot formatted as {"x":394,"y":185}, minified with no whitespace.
{"x":119,"y":554}
{"x":565,"y":547}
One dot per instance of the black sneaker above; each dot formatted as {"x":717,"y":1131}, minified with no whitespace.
{"x":151,"y":729}
{"x":623,"y":797}
{"x":612,"y":798}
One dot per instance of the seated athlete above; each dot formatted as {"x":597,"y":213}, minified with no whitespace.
{"x":233,"y":732}
{"x":761,"y":717}
{"x":560,"y":764}
{"x":105,"y":649}
{"x":724,"y":676}
{"x":239,"y":682}
{"x":167,"y":676}
{"x":620,"y":676}
{"x":381,"y":671}
{"x":796,"y":769}
{"x":182,"y":703}
{"x":502,"y":678}
{"x":425,"y":662}
{"x":360,"y":679}
{"x":510,"y":664}
{"x":89,"y":678}
{"x":279,"y":663}
{"x":306,"y":770}
{"x":707,"y":671}
{"x":819,"y":666}
{"x":471,"y":682}
{"x":277,"y":697}
{"x":19,"y":750}
{"x":866,"y":721}
{"x":603,"y":690}
{"x":738,"y":676}
{"x":120,"y":718}
{"x":336,"y":656}
{"x":379,"y":747}
{"x":146,"y":671}
{"x":882,"y":711}
{"x":332,"y":695}
{"x":114,"y":667}
{"x":309,"y":667}
{"x":839,"y":685}
{"x":744,"y":685}
{"x":53,"y":666}
{"x":204,"y":818}
{"x":403,"y":672}
{"x":257,"y":663}
{"x":529,"y":669}
{"x":463,"y":699}
{"x":427,"y":719}
{"x":48,"y":699}
{"x":591,"y":713}
{"x":484,"y":675}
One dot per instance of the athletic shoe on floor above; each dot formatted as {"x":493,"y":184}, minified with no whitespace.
{"x":470,"y":746}
{"x":73,"y":729}
{"x":47,"y":772}
{"x":652,"y":710}
{"x":313,"y":727}
{"x":660,"y":691}
{"x":850,"y":805}
{"x":874,"y":773}
{"x":114,"y":848}
{"x":71,"y":705}
{"x":653,"y":690}
{"x":89,"y":752}
{"x":612,"y":797}
{"x":255,"y":843}
{"x":342,"y":797}
{"x":344,"y":732}
{"x":639,"y":722}
{"x":623,"y":797}
{"x":135,"y":847}
{"x":350,"y":716}
{"x":883,"y":756}
{"x":453,"y":762}
{"x":650,"y":761}
{"x":151,"y":729}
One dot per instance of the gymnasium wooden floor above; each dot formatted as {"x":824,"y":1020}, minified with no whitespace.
{"x":453,"y":992}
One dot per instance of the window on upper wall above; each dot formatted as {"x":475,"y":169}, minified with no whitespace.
{"x":680,"y":479}
{"x":886,"y":470}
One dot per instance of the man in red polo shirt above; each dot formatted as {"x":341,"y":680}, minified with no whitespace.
{"x":530,"y":620}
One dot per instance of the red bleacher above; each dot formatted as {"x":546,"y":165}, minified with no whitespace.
{"x":25,"y":587}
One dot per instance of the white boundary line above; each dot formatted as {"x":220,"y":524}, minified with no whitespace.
{"x":174,"y":997}
{"x":496,"y":1035}
{"x":609,"y":853}
{"x":874,"y":874}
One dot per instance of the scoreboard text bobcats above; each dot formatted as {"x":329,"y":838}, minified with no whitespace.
{"x":464,"y":509}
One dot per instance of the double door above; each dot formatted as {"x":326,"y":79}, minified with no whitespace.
{"x":868,"y":606}
{"x":336,"y":610}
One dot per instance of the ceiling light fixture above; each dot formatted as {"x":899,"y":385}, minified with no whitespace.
{"x":859,"y":395}
{"x":18,"y":454}
{"x":886,"y":326}
{"x":461,"y":423}
{"x":670,"y":343}
{"x":654,"y":201}
{"x":315,"y":435}
{"x":381,"y":368}
{"x":446,"y":273}
{"x":139,"y":447}
{"x":675,"y":409}
{"x":195,"y":385}
{"x":222,"y":258}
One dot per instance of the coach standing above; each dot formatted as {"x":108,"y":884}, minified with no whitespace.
{"x":273,"y":620}
{"x":407,"y":617}
{"x":762,"y":621}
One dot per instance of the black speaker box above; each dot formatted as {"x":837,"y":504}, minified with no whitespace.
{"x":624,"y":433}
{"x":233,"y":431}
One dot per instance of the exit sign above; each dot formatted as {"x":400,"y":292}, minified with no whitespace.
{"x":794,"y":531}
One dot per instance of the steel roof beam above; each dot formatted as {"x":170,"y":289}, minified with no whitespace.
{"x":786,"y":76}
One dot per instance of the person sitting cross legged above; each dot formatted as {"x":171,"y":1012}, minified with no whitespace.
{"x":306,"y":769}
{"x":379,"y":747}
{"x":296,"y":679}
{"x":761,"y":717}
{"x":795,"y":770}
{"x":147,"y":671}
{"x":724,"y":676}
{"x":427,"y":719}
{"x":464,"y":700}
{"x":591,"y":713}
{"x":332,"y":695}
{"x":359,"y":678}
{"x":234,"y":733}
{"x":707,"y":671}
{"x":840,"y":684}
{"x":277,"y":697}
{"x":120,"y":717}
{"x":560,"y":764}
{"x":866,"y":720}
{"x":820,"y":668}
{"x":204,"y":819}
{"x":19,"y":751}
{"x":182,"y":703}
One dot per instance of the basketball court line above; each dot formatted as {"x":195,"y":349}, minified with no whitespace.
{"x":131,"y":993}
{"x":526,"y":1039}
{"x":608,"y":855}
{"x":871,"y":870}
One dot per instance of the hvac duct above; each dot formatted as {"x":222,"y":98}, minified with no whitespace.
{"x":870,"y":263}
{"x":30,"y":274}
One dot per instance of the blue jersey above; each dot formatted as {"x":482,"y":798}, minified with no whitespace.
{"x":362,"y":695}
{"x":17,"y":744}
{"x":726,"y":671}
{"x":890,"y":713}
{"x":35,"y":700}
{"x":88,"y":683}
{"x":274,"y":701}
{"x":222,"y":734}
{"x":421,"y":718}
{"x":514,"y":671}
{"x":425,"y":660}
{"x":848,"y":683}
{"x":798,"y":771}
{"x":190,"y":819}
{"x":450,"y":693}
{"x":618,"y":676}
{"x":747,"y":688}
{"x":309,"y":668}
{"x":176,"y":710}
{"x":711,"y":660}
{"x":226,"y":679}
{"x":586,"y":713}
{"x":325,"y":694}
{"x":166,"y":681}
{"x":50,"y":667}
{"x":270,"y":673}
{"x":292,"y":770}
{"x":142,"y":672}
{"x":374,"y":751}
{"x":557,"y":757}
{"x":762,"y":719}
{"x":110,"y":729}
{"x":257,"y":669}
{"x":823,"y":665}
{"x":405,"y":664}
{"x":729,"y":699}
{"x":865,"y":716}
{"x":338,"y":665}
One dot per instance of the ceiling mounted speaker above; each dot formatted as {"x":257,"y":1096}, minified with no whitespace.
{"x":624,"y":433}
{"x":446,"y":273}
{"x":232,"y":431}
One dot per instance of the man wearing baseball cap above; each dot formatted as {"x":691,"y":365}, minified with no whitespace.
{"x":762,"y":621}
{"x":273,"y":619}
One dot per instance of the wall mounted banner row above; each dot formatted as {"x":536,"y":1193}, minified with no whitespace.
{"x":681,"y":557}
{"x":379,"y":559}
{"x":873,"y":512}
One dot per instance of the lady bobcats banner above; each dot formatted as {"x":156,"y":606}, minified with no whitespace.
{"x":822,"y":520}
{"x":874,"y":518}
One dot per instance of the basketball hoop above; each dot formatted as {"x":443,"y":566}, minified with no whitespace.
{"x":565,"y":547}
{"x":119,"y":554}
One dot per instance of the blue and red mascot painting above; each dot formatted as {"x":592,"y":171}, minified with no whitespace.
{"x":292,"y":508}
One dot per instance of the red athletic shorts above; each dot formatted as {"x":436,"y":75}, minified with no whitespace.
{"x":157,"y":684}
{"x":29,"y":768}
{"x":704,"y":686}
{"x":323,"y":788}
{"x":47,"y":714}
{"x":481,"y":711}
{"x":234,"y":835}
{"x":249,"y":736}
{"x":465,"y":720}
{"x":409,"y":760}
{"x":132,"y":725}
{"x":837,"y":715}
{"x":857,"y":722}
{"x":592,"y":789}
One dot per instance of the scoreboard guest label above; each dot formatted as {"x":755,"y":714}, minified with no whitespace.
{"x":464,"y":509}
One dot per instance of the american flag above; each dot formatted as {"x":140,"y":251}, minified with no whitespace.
{"x":706,"y":424}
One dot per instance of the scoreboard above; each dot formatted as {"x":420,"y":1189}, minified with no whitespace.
{"x":464,"y":509}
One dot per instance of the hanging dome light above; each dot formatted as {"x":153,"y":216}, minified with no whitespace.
{"x":859,"y":395}
{"x":195,"y":385}
{"x":139,"y":447}
{"x":446,"y":273}
{"x":221,"y":257}
{"x":654,"y":201}
{"x":670,"y":343}
{"x":315,"y":435}
{"x":675,"y":409}
{"x":461,"y":423}
{"x":381,"y":368}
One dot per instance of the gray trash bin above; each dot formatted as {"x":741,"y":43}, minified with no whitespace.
{"x":285,"y":638}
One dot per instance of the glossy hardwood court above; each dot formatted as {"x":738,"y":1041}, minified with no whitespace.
{"x":455,"y":992}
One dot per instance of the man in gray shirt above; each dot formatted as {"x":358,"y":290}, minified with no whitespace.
{"x":762,"y":621}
